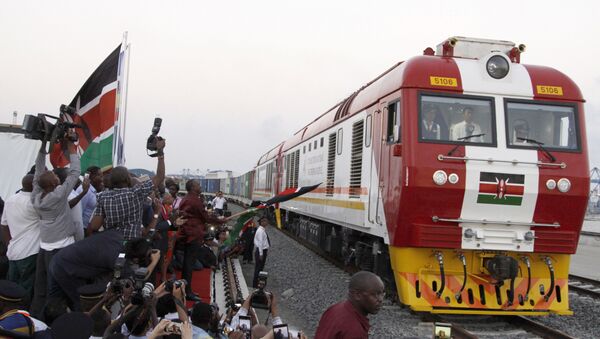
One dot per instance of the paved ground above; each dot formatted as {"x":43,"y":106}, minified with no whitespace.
{"x":585,"y":261}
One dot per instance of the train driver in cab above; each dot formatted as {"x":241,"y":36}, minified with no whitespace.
{"x":466,"y":128}
{"x":520,"y":131}
{"x":429,"y":128}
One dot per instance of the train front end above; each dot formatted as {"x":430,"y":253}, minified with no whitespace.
{"x":495,"y":182}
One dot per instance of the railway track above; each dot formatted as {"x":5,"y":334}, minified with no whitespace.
{"x":584,"y":286}
{"x":590,"y":234}
{"x":475,"y":327}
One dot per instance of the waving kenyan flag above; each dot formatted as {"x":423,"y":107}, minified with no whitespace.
{"x":99,"y":109}
{"x":501,"y":188}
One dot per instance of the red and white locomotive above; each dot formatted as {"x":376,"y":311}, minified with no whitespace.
{"x":461,"y":174}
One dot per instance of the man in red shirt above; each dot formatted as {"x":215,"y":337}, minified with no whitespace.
{"x":348,"y":319}
{"x":192,"y":232}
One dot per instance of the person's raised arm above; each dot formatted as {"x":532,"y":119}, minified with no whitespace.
{"x":155,"y":257}
{"x":74,"y":169}
{"x":274,"y":309}
{"x":117,"y":323}
{"x":160,"y":167}
{"x":85,"y":186}
{"x":179,"y":298}
{"x":97,"y":216}
{"x":40,"y":168}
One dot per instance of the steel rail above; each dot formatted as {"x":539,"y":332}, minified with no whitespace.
{"x":593,"y":291}
{"x":537,"y":328}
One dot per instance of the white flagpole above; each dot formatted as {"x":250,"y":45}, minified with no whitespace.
{"x":126,"y":87}
{"x":119,"y":131}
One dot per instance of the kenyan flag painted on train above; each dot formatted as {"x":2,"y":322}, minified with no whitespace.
{"x":501,"y":188}
{"x":100,"y":110}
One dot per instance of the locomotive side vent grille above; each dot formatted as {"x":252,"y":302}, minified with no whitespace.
{"x":331,"y":165}
{"x":296,"y":168}
{"x":356,"y":159}
{"x":287,"y":171}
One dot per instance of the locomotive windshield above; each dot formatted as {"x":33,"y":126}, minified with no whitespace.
{"x":552,"y":125}
{"x":450,"y":119}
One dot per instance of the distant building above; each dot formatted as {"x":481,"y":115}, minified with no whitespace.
{"x":219,"y":174}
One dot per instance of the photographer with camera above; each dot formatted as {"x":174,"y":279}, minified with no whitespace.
{"x":119,"y":211}
{"x":50,"y":200}
{"x":72,"y":267}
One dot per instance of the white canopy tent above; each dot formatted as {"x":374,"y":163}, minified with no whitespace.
{"x":18,"y":155}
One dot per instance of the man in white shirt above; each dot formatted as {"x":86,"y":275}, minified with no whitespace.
{"x":21,"y":230}
{"x":466,"y":128}
{"x":218,"y":203}
{"x":261,"y":248}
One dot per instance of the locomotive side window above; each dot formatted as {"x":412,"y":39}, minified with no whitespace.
{"x":340,"y":134}
{"x":552,"y":125}
{"x":393,"y":122}
{"x":450,"y":119}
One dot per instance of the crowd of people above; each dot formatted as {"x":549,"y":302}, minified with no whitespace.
{"x":85,"y":253}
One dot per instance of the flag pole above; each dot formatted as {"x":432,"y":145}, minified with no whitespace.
{"x":123,"y":86}
{"x":127,"y":51}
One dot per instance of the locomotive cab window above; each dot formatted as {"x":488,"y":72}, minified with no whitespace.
{"x":450,"y":119}
{"x":530,"y":123}
{"x":393,"y":122}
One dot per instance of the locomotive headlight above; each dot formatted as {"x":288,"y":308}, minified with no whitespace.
{"x":453,"y":178}
{"x":440,"y":177}
{"x":564,"y":185}
{"x":497,"y":67}
{"x":550,"y":184}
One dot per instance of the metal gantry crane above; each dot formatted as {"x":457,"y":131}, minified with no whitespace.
{"x":594,"y":203}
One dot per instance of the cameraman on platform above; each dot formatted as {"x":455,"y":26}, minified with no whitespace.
{"x":50,"y":200}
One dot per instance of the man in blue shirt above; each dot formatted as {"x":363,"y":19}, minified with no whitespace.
{"x":88,"y":202}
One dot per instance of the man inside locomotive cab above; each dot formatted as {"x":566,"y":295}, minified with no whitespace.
{"x":429,"y":128}
{"x":520,"y":131}
{"x":466,"y":128}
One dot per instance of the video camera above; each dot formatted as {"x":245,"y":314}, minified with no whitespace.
{"x":153,"y":138}
{"x":117,"y":283}
{"x":38,"y":128}
{"x":142,"y":289}
{"x":260,"y":298}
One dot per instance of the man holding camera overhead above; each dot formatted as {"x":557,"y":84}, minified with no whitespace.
{"x":119,"y":211}
{"x":50,"y":200}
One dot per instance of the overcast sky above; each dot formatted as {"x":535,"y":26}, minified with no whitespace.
{"x":231,"y":79}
